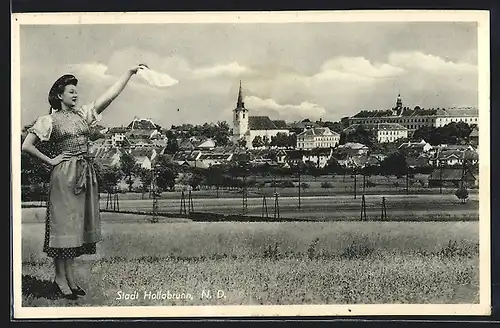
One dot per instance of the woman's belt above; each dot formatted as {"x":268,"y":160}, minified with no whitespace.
{"x":88,"y":171}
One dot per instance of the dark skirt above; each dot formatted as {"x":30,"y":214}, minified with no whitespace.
{"x":67,"y":252}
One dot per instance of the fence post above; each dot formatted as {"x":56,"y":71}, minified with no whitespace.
{"x":190,"y":205}
{"x":276,"y":206}
{"x":264,"y":206}
{"x":183,"y":203}
{"x":363,"y":208}
{"x":384,"y":210}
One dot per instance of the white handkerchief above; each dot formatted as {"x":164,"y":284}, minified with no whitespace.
{"x":155,"y":78}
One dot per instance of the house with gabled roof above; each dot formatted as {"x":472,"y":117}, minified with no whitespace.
{"x":317,"y":137}
{"x":474,"y":136}
{"x":109,"y":157}
{"x":318,"y":156}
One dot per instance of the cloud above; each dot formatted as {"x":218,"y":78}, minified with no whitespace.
{"x":430,"y":63}
{"x":340,"y":86}
{"x":288,"y":111}
{"x":230,"y":70}
{"x":359,"y":67}
{"x":94,"y":71}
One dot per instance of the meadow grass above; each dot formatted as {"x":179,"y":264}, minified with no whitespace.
{"x":270,"y":263}
{"x":380,"y":279}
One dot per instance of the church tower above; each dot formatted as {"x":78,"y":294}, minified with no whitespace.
{"x":240,"y":118}
{"x":398,"y":110}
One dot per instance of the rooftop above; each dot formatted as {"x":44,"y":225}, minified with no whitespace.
{"x":317,"y":132}
{"x":261,"y":123}
{"x":142,"y":124}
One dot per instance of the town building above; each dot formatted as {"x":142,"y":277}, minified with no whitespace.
{"x":319,"y":157}
{"x":248,"y":127}
{"x":474,"y":137}
{"x":467,"y":115}
{"x":316,"y":137}
{"x":415,"y":148}
{"x":351,"y":149}
{"x":413,"y":119}
{"x":384,"y":132}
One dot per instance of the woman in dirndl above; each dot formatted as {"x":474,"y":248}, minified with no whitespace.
{"x":73,"y":225}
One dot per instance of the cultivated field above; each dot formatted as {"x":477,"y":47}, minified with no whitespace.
{"x":267,"y":263}
{"x":340,"y":207}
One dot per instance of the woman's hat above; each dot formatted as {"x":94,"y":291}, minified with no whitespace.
{"x":58,"y":87}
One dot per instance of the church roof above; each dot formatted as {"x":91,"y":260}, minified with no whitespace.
{"x":280,"y":124}
{"x":142,"y":124}
{"x":261,"y":123}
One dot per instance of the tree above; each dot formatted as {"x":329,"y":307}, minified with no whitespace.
{"x":462,"y":194}
{"x":333,"y":166}
{"x":195,"y":179}
{"x":394,"y":164}
{"x":172,"y":147}
{"x":146,"y":177}
{"x":265,"y":141}
{"x":242,"y":143}
{"x":257,"y":142}
{"x":358,"y":134}
{"x":452,"y":133}
{"x":166,"y":174}
{"x":107,"y":177}
{"x":128,"y":167}
{"x":283,"y":140}
{"x":222,"y":133}
{"x":214,"y":177}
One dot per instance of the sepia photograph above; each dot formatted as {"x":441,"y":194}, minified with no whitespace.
{"x":250,"y":164}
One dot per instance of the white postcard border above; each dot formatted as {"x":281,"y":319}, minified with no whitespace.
{"x":481,"y":17}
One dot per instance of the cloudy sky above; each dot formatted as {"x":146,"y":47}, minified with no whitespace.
{"x":288,"y":71}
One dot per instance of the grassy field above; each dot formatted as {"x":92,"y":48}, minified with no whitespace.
{"x":399,"y":207}
{"x":269,"y":263}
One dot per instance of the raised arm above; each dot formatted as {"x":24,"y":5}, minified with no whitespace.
{"x":105,"y":100}
{"x":29,"y":147}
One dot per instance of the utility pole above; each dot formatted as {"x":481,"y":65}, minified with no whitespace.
{"x":440,"y":176}
{"x":183,"y":203}
{"x":384,"y":210}
{"x":299,"y":188}
{"x":355,"y":173}
{"x":190,"y":203}
{"x":154,"y":187}
{"x":407,"y":172}
{"x":363,"y":208}
{"x":264,"y":206}
{"x":276,"y":206}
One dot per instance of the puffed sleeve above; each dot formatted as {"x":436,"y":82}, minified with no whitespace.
{"x":42,"y":127}
{"x":89,"y":114}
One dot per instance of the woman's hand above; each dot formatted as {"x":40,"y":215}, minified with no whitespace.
{"x":136,"y":68}
{"x":103,"y":101}
{"x":59,"y":159}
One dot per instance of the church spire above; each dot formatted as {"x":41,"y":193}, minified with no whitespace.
{"x":240,"y":103}
{"x":399,"y":102}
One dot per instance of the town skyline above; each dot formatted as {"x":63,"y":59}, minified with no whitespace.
{"x":292,"y":72}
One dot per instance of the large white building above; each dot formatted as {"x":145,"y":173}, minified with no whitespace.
{"x":385,"y":132}
{"x":317,"y":138}
{"x":413,"y":119}
{"x":466,"y":115}
{"x":246,"y":127}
